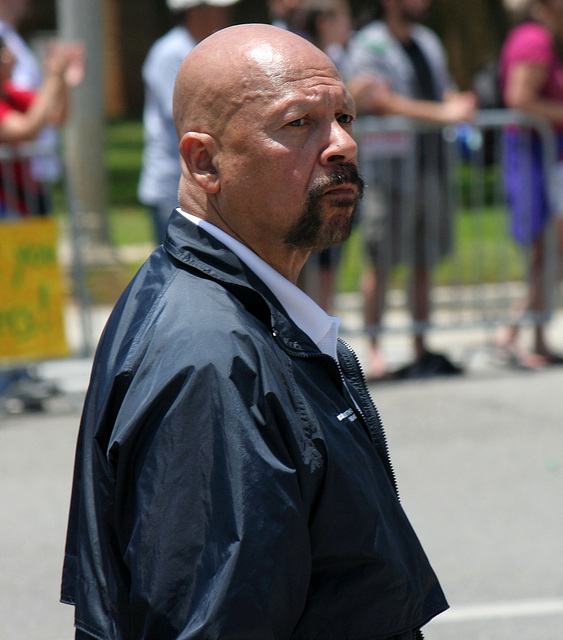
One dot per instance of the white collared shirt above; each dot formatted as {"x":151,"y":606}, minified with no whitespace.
{"x":305,"y":312}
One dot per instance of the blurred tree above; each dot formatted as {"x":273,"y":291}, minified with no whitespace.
{"x":472,"y":33}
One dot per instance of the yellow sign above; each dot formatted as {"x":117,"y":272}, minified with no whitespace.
{"x":31,"y":291}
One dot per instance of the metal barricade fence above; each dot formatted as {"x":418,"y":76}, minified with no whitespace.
{"x":444,"y":187}
{"x":36,"y":287}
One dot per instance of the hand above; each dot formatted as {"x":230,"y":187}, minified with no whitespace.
{"x":459,"y":107}
{"x":56,"y":59}
{"x":66,"y":61}
{"x":76,"y":69}
{"x":372,"y":95}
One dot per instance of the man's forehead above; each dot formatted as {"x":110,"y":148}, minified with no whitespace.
{"x":258,"y":75}
{"x":285,"y":64}
{"x":306,"y":90}
{"x":266,"y":57}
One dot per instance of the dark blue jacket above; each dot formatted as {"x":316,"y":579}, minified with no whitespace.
{"x":226,"y":483}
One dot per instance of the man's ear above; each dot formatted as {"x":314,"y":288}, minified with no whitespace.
{"x":197,"y":151}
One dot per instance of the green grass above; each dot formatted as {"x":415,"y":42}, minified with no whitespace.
{"x":483,"y":251}
{"x":128,"y":219}
{"x":483,"y":246}
{"x":123,"y":161}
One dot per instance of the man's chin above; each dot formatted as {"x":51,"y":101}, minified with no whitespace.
{"x":337,"y":231}
{"x":323,"y":227}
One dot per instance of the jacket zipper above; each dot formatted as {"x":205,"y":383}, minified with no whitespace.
{"x":377,"y":435}
{"x":381,"y":438}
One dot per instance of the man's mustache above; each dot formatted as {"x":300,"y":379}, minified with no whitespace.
{"x":343,"y":174}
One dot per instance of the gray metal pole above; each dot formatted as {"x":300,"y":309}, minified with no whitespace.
{"x":81,"y":20}
{"x":85,"y":175}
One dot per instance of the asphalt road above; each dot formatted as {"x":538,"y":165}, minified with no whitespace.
{"x":479,"y":461}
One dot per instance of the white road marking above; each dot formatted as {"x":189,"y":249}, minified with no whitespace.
{"x":496,"y":610}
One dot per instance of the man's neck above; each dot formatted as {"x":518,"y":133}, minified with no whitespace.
{"x":285,"y":260}
{"x":194,"y":27}
{"x":11,"y":16}
{"x":197,"y":22}
{"x":399,"y":27}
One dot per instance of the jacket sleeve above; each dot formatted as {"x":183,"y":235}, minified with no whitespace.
{"x":210,"y":512}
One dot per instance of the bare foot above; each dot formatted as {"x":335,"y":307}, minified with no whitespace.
{"x":376,"y":368}
{"x":516,"y":355}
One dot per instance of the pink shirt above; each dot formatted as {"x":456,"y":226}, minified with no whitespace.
{"x":534,"y":44}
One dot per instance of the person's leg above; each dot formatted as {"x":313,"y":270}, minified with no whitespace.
{"x":377,"y":218}
{"x":374,"y":287}
{"x":424,"y":236}
{"x":329,"y":260}
{"x":430,"y":241}
{"x":539,"y":296}
{"x":420,"y":295}
{"x":507,"y":337}
{"x":528,"y":205}
{"x":327,"y":280}
{"x":160,"y":214}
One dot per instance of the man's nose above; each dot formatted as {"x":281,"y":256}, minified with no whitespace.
{"x":341,"y":146}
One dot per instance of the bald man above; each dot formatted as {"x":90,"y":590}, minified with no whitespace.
{"x":232,"y":477}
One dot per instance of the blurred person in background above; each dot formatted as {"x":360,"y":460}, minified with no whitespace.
{"x":28,"y":75}
{"x":328,"y":24}
{"x":27,"y":71}
{"x":531,"y":73}
{"x":400,"y":68}
{"x":23,"y":114}
{"x":284,"y":14}
{"x":160,"y":173}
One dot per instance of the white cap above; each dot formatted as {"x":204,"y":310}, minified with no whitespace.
{"x":517,"y":6}
{"x":181,"y":5}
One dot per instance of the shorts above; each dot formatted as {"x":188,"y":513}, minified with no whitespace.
{"x":411,"y":226}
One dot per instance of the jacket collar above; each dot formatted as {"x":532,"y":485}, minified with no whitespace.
{"x":199,"y":251}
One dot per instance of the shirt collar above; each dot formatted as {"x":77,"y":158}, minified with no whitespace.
{"x":305,"y":312}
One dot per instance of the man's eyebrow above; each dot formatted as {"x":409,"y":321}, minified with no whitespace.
{"x":289,"y":103}
{"x":350,"y":106}
{"x":311,"y":99}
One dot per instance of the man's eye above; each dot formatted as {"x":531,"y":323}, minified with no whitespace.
{"x":297,"y":123}
{"x":345,"y":118}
